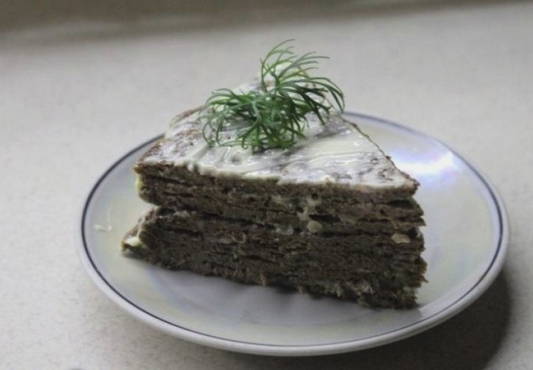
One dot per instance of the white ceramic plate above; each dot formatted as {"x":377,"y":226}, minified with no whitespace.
{"x":466,"y":240}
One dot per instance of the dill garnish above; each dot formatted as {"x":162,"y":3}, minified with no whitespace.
{"x":272,"y":114}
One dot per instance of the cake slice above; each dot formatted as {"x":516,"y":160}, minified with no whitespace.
{"x":332,"y":215}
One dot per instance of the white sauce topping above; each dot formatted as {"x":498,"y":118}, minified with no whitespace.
{"x":334,"y":153}
{"x":133,"y":241}
{"x":400,"y":238}
{"x":314,"y":226}
{"x":105,"y":228}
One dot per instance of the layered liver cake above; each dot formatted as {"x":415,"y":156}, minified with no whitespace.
{"x":331,"y":215}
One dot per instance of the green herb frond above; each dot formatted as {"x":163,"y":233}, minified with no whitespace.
{"x":272,"y":115}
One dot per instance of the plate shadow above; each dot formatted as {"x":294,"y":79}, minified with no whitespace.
{"x":467,"y":341}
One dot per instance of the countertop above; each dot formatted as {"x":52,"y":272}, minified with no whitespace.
{"x":81,"y":83}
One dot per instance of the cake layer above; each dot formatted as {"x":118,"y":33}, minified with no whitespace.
{"x":264,"y":255}
{"x":332,"y":192}
{"x":237,"y":229}
{"x":169,"y":193}
{"x":228,"y":230}
{"x":334,"y":156}
{"x":364,"y":218}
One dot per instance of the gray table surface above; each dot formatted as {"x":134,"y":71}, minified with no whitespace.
{"x":83,"y":82}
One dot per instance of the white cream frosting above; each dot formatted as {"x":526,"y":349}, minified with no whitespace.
{"x":337,"y":152}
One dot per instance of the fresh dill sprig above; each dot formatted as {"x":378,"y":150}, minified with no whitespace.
{"x":272,"y":115}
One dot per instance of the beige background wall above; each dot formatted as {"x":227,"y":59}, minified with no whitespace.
{"x":83,"y":82}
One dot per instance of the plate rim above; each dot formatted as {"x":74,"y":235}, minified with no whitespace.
{"x":482,"y":284}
